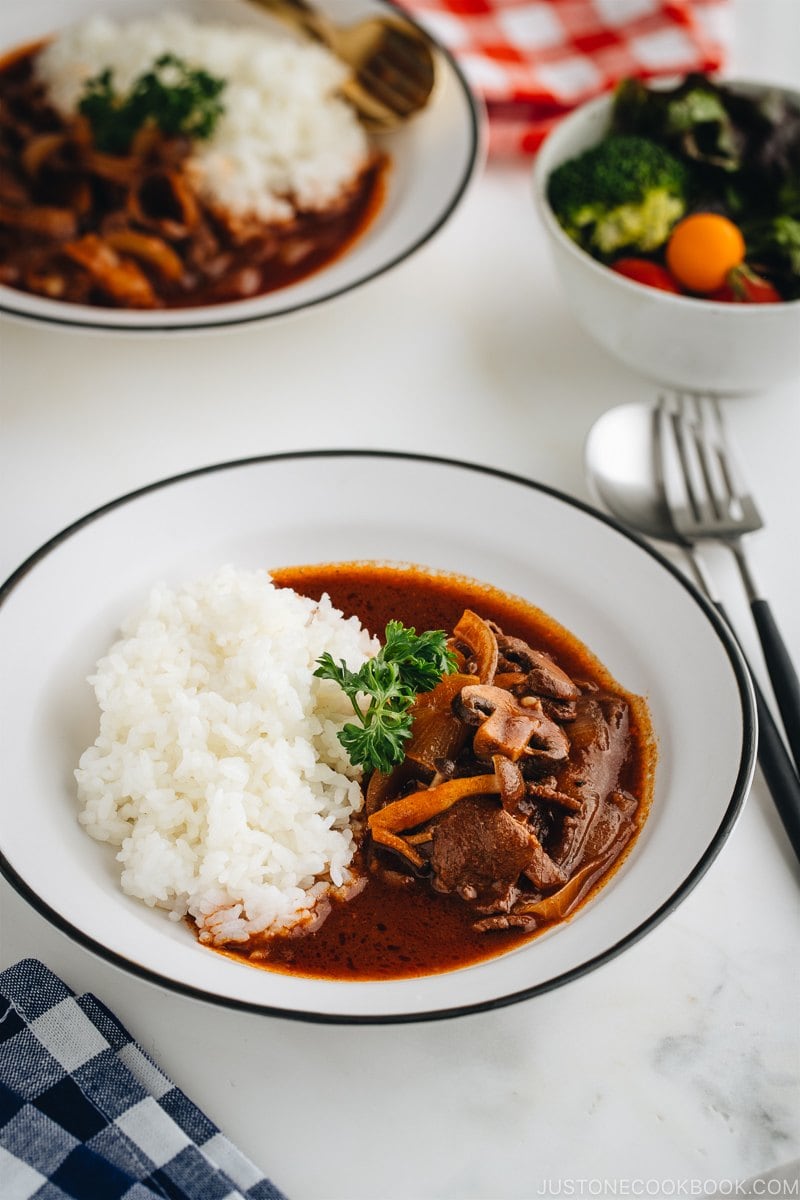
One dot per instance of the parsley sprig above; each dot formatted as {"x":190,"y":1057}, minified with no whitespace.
{"x":175,"y":97}
{"x":408,"y":663}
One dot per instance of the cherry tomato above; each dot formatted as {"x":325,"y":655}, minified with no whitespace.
{"x":642,"y":270}
{"x":702,"y":249}
{"x":743,"y":286}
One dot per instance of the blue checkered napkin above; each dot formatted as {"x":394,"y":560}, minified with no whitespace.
{"x":86,"y":1115}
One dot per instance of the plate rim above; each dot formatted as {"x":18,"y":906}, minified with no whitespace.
{"x":733,"y":808}
{"x":477,"y":145}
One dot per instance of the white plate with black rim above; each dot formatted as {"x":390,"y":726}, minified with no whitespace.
{"x":61,"y":610}
{"x":433,"y":159}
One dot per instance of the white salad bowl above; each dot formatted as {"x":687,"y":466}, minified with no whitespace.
{"x":432,"y":160}
{"x":678,"y":341}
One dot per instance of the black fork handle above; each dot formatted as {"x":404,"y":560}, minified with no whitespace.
{"x":773,"y":758}
{"x":782,"y":673}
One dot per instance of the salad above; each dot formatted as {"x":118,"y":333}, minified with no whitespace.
{"x":694,"y":189}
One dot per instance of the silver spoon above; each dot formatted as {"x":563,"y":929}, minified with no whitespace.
{"x":622,"y":471}
{"x":623,"y":474}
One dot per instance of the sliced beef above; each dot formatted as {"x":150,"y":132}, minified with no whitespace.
{"x":599,"y":746}
{"x":612,"y":817}
{"x":479,"y":852}
{"x":543,"y":873}
{"x":506,"y":921}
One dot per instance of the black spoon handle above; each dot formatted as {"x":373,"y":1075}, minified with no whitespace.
{"x":774,"y":760}
{"x":781,"y":672}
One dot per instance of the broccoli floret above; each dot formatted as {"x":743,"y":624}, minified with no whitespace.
{"x":625,"y":193}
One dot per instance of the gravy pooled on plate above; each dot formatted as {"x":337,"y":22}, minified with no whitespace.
{"x":525,"y":782}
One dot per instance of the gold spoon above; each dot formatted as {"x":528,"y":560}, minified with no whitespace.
{"x":391,"y":61}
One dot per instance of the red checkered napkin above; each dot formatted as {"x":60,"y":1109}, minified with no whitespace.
{"x":532,"y":61}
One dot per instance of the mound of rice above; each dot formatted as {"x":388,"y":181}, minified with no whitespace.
{"x":217,"y":769}
{"x":285,"y":137}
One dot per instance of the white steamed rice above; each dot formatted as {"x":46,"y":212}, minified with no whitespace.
{"x":217,"y":769}
{"x":285,"y":136}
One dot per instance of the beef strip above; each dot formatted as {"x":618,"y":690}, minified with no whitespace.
{"x":606,"y":828}
{"x":506,"y":921}
{"x":599,"y":745}
{"x":479,"y":852}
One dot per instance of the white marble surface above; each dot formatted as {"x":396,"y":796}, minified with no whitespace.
{"x":672,"y":1070}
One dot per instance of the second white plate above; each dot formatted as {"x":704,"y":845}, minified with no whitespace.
{"x":433,"y":159}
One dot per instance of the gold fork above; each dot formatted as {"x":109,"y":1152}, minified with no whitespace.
{"x":390,"y":59}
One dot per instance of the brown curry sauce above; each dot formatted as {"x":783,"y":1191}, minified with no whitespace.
{"x":386,"y":932}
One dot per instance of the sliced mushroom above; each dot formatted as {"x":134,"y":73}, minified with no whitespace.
{"x":152,"y":250}
{"x":511,"y":781}
{"x":481,"y":641}
{"x":510,"y":727}
{"x":119,"y":278}
{"x":543,"y":676}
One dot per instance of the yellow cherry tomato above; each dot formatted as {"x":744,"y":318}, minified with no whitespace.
{"x":702,"y":249}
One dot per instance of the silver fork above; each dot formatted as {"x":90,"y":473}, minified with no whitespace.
{"x":707,"y":498}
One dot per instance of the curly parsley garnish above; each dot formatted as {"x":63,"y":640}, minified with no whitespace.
{"x":173,"y":96}
{"x":408,"y":663}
